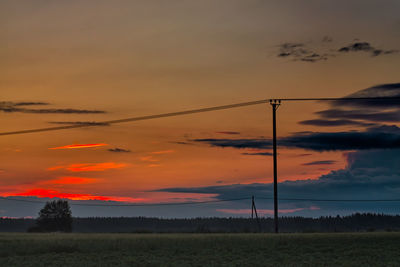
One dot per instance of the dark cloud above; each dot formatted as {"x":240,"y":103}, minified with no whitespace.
{"x":363,"y":112}
{"x":8,"y":106}
{"x":89,"y":123}
{"x":54,"y":111}
{"x":304,"y":155}
{"x":26,"y":103}
{"x":257,"y":154}
{"x":299,"y":52}
{"x":11,"y":107}
{"x":313,"y":57}
{"x":372,"y":138}
{"x":237,"y":143}
{"x":302,"y":52}
{"x":182,"y":143}
{"x":381,"y":90}
{"x":366,"y":47}
{"x":372,"y":174}
{"x":320,"y":162}
{"x":333,"y":123}
{"x":378,"y":52}
{"x":228,"y":132}
{"x":357,"y":46}
{"x":119,"y":150}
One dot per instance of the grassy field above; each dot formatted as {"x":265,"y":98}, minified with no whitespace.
{"x":358,"y":249}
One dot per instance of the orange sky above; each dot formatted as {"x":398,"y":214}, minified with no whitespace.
{"x":132,"y":58}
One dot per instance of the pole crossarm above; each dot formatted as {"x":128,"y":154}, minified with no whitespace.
{"x":275,"y":103}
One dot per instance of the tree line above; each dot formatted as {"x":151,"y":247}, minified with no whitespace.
{"x":353,"y":223}
{"x":56,"y":216}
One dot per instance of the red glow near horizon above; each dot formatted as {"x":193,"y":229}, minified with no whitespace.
{"x":74,"y":146}
{"x":49,"y":193}
{"x":87,"y":167}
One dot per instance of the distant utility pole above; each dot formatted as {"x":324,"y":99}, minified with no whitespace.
{"x":254,"y":211}
{"x":275,"y":103}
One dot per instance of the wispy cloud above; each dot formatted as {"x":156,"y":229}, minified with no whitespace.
{"x":297,"y":51}
{"x":11,"y":107}
{"x":257,"y":153}
{"x":303,"y":155}
{"x":119,"y":150}
{"x":24,"y":103}
{"x":76,"y":146}
{"x":257,"y":143}
{"x":300,"y":52}
{"x":183,"y":143}
{"x":319,"y":162}
{"x":365,"y":47}
{"x":228,"y":132}
{"x":335,"y":123}
{"x":372,"y":138}
{"x":88,"y":167}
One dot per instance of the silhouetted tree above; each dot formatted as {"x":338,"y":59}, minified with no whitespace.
{"x":55,"y":216}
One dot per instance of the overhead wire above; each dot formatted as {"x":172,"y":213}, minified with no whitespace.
{"x":332,"y":200}
{"x":132,"y":204}
{"x":191,"y":111}
{"x":202,"y":202}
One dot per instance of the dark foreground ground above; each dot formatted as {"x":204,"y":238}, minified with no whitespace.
{"x":336,"y":249}
{"x":357,"y":222}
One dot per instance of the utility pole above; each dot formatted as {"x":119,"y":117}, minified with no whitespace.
{"x":275,"y":103}
{"x":253,"y":208}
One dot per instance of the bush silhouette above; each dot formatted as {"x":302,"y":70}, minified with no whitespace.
{"x":56,"y":216}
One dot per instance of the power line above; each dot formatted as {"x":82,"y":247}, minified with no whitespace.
{"x":205,"y":202}
{"x":163,"y":204}
{"x":141,"y":118}
{"x":333,"y":200}
{"x":383,"y":98}
{"x":133,"y":204}
{"x":193,"y":111}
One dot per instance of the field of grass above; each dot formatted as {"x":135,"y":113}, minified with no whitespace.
{"x":358,"y":249}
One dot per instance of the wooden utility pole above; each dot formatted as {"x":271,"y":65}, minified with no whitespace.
{"x":275,"y":103}
{"x":254,"y":209}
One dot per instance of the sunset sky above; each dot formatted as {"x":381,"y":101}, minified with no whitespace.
{"x":84,"y":62}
